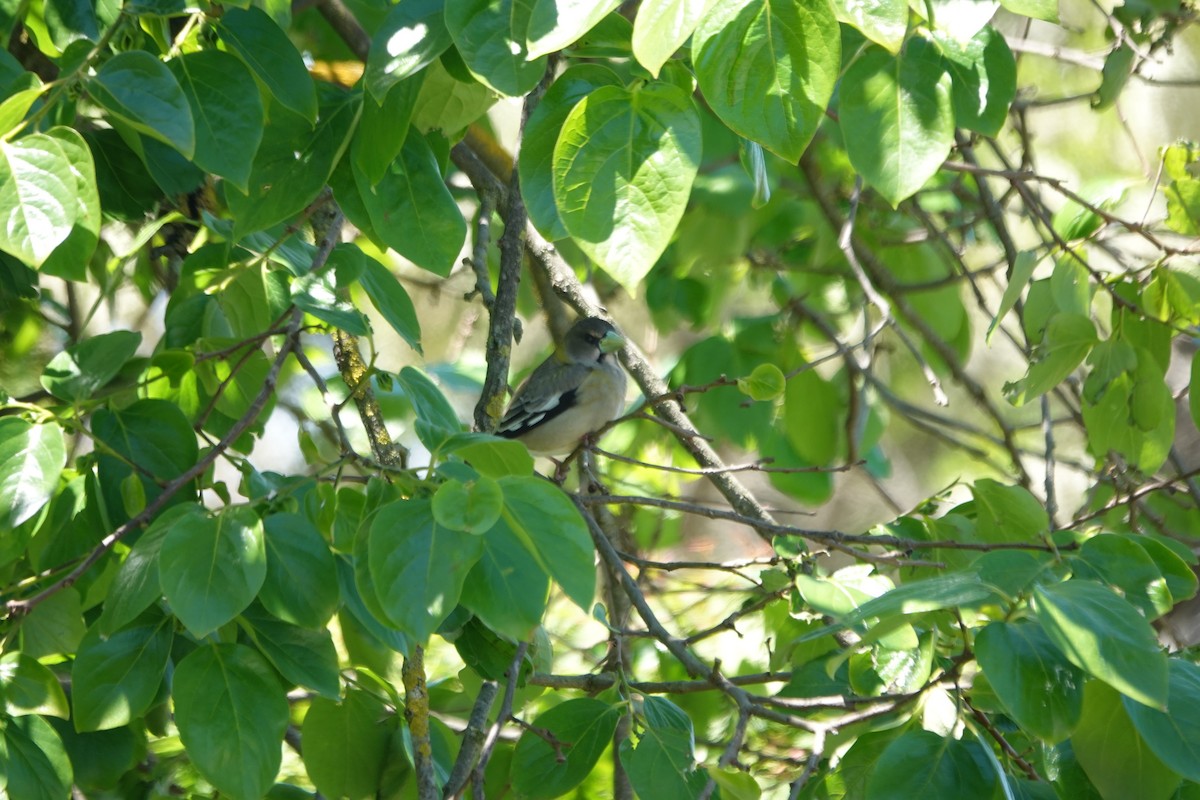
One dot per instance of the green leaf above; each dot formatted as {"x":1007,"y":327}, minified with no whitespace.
{"x":16,"y":106}
{"x":412,"y":209}
{"x":319,"y":294}
{"x":70,"y":258}
{"x":39,"y":202}
{"x":304,"y":656}
{"x":137,"y":88}
{"x":508,"y":587}
{"x":555,"y":24}
{"x":232,"y":713}
{"x":412,"y":35}
{"x":301,"y":584}
{"x":663,"y":764}
{"x":550,"y":527}
{"x":418,"y":566}
{"x":137,"y":584}
{"x":1040,"y":689}
{"x":345,"y":744}
{"x":897,"y":117}
{"x":1117,"y":761}
{"x":985,"y":79}
{"x":1174,"y":735}
{"x":115,"y":679}
{"x":1022,"y":271}
{"x":55,"y":627}
{"x":536,"y":159}
{"x":71,"y":21}
{"x":1118,"y":68}
{"x":814,"y":417}
{"x":36,"y":765}
{"x":494,"y":456}
{"x":662,"y":27}
{"x":884,"y":22}
{"x":1104,"y":636}
{"x":390,"y":299}
{"x":1038,"y":9}
{"x":1069,"y":338}
{"x":623,"y":170}
{"x":768,"y":69}
{"x":765,"y":382}
{"x":490,"y":36}
{"x":436,"y":418}
{"x":1120,"y":562}
{"x":473,"y":506}
{"x":293,"y":164}
{"x":448,"y":105}
{"x":77,"y":373}
{"x":31,"y":459}
{"x":212,"y":567}
{"x":585,"y":725}
{"x":950,"y":590}
{"x":922,"y":764}
{"x":30,"y":687}
{"x":1006,"y":513}
{"x":257,"y":40}
{"x":227,"y":110}
{"x":383,"y":128}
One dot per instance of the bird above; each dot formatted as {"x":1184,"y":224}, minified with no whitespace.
{"x":575,"y":392}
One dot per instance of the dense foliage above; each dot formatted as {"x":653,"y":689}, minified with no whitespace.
{"x":229,"y":228}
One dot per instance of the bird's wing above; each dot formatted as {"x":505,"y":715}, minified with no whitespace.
{"x":548,"y":392}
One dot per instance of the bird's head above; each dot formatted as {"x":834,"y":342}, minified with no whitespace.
{"x":590,"y":339}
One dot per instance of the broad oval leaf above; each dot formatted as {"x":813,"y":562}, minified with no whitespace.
{"x":345,"y":744}
{"x":586,"y":725}
{"x":70,"y":258}
{"x":1174,"y":734}
{"x":897,"y":117}
{"x":30,"y":687}
{"x":471,"y":506}
{"x":78,"y":372}
{"x":555,"y":24}
{"x":1116,"y":759}
{"x":36,"y":764}
{"x":271,"y":56}
{"x":923,"y":764}
{"x":211,"y":567}
{"x":1039,"y":688}
{"x":227,"y":110}
{"x":418,"y":566}
{"x":390,"y":299}
{"x":1104,"y":636}
{"x":232,"y":713}
{"x":662,"y":27}
{"x":550,"y":527}
{"x":623,"y":170}
{"x":536,"y":159}
{"x":508,"y":587}
{"x":413,"y":211}
{"x":31,"y":460}
{"x":301,"y":582}
{"x":768,"y":69}
{"x":38,"y":197}
{"x":412,"y":35}
{"x":884,"y":22}
{"x":303,"y":656}
{"x":140,"y":90}
{"x":293,"y":163}
{"x":115,"y":679}
{"x":490,"y":36}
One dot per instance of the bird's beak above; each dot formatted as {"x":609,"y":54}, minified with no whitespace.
{"x":611,"y":342}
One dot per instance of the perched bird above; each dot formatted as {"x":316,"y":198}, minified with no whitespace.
{"x":572,"y":393}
